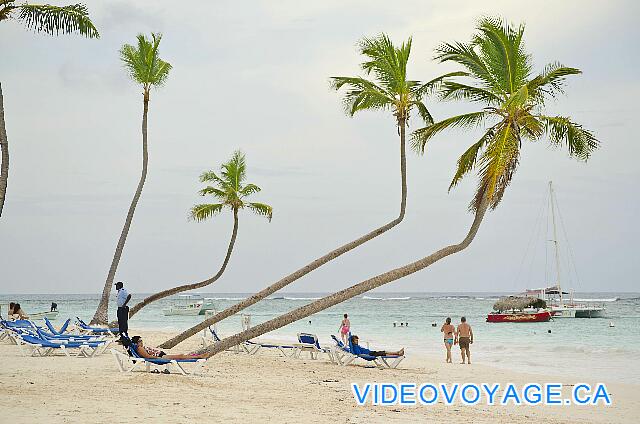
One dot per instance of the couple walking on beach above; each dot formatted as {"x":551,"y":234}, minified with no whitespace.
{"x":462,"y":335}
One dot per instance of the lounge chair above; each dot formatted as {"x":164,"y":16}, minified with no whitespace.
{"x":130,"y":361}
{"x":85,"y":328}
{"x":41,"y":347}
{"x":309,"y":343}
{"x":345,"y":357}
{"x":250,"y":347}
{"x":53,"y":330}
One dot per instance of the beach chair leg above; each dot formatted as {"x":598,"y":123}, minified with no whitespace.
{"x":118,"y":361}
{"x":395,"y":363}
{"x":179,"y":367}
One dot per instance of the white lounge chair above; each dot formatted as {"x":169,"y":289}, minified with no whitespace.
{"x":309,"y":343}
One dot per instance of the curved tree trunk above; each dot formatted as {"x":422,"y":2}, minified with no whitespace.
{"x":194,"y":286}
{"x":350,"y":292}
{"x":100,"y":317}
{"x":4,"y":146}
{"x":308,"y":268}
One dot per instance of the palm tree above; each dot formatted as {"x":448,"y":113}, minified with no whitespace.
{"x":51,"y":20}
{"x":390,"y":90}
{"x":499,"y":74}
{"x":230,"y":192}
{"x":147,"y":69}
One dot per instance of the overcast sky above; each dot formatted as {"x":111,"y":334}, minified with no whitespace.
{"x":254,"y":75}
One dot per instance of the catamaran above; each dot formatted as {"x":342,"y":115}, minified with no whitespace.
{"x":561,"y":306}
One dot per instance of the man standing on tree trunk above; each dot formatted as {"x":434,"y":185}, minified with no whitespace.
{"x":123,"y":310}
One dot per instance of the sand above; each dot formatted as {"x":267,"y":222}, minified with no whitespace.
{"x":265,"y":388}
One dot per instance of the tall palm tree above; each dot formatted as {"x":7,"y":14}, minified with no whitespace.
{"x":231,"y":192}
{"x":499,"y":77}
{"x":388,"y":90}
{"x":147,"y":69}
{"x":51,"y":20}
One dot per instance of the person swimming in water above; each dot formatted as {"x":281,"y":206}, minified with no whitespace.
{"x":448,"y":330}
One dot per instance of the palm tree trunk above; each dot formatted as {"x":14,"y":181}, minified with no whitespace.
{"x":4,"y":146}
{"x":194,"y":286}
{"x":100,"y":317}
{"x":350,"y":292}
{"x":308,"y":268}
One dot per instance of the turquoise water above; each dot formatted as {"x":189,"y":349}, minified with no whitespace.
{"x":573,"y":346}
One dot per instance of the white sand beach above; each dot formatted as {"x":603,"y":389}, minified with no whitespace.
{"x":265,"y":388}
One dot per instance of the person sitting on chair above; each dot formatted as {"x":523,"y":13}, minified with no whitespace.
{"x":356,"y":349}
{"x":152,"y":353}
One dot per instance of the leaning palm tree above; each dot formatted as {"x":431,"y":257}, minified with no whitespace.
{"x":147,"y":69}
{"x":498,"y":72}
{"x":231,"y":192}
{"x":390,"y":90}
{"x":51,"y":20}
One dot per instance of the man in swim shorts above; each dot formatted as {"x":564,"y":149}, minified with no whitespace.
{"x":464,"y":337}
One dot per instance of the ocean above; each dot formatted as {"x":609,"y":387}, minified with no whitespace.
{"x":563,"y":347}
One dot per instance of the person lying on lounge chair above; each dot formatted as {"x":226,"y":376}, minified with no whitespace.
{"x":356,"y":349}
{"x":150,"y":352}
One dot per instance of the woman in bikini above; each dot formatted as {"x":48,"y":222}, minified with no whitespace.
{"x":345,"y":327}
{"x":448,"y":331}
{"x":150,"y":352}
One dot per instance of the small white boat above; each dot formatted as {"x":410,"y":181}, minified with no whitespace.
{"x":207,"y":305}
{"x":41,"y":315}
{"x":188,"y":304}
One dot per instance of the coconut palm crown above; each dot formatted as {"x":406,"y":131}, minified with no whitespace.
{"x":52,"y":20}
{"x":391,"y":89}
{"x":230,"y":191}
{"x":143,"y":62}
{"x":498,"y":74}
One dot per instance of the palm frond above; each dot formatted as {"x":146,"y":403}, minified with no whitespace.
{"x":261,"y":209}
{"x":205,"y":211}
{"x":249,"y":189}
{"x":465,"y":55}
{"x":468,"y":160}
{"x":420,"y":136}
{"x":54,"y":20}
{"x":453,"y":90}
{"x":6,"y":9}
{"x":503,"y":52}
{"x":562,"y":132}
{"x":234,"y":172}
{"x":220,"y":194}
{"x":423,"y":112}
{"x":551,"y":81}
{"x":362,"y":94}
{"x":497,"y":166}
{"x":435,"y":84}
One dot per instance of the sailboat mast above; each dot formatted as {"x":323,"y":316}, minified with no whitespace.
{"x":555,"y":239}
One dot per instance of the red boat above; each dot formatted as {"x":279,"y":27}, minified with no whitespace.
{"x":540,"y":316}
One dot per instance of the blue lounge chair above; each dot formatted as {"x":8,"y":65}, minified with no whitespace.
{"x":95,"y":330}
{"x":309,"y":343}
{"x":41,"y":347}
{"x":53,"y":329}
{"x":129,"y":362}
{"x":345,"y":356}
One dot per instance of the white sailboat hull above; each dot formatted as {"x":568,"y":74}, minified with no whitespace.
{"x":183,"y":310}
{"x":578,"y":312}
{"x":42,"y":315}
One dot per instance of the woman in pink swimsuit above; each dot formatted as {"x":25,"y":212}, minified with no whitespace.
{"x":345,"y":327}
